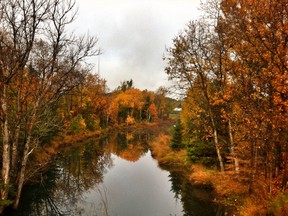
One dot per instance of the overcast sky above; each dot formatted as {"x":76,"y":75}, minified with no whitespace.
{"x":133,"y":35}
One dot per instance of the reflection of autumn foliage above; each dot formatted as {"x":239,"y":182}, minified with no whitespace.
{"x":127,"y":145}
{"x":133,"y":152}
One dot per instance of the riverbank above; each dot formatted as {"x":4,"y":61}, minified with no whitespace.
{"x":230,"y":188}
{"x":199,"y":175}
{"x":45,"y":154}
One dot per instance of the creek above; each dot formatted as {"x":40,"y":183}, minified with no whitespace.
{"x":115,"y":176}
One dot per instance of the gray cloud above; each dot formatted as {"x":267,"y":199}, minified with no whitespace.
{"x":133,"y":36}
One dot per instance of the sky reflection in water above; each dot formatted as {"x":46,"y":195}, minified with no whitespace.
{"x":139,"y":188}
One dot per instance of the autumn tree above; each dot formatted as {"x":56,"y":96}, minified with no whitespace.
{"x":112,"y":109}
{"x":130,"y":104}
{"x":40,"y":63}
{"x":191,"y":63}
{"x":160,"y":101}
{"x":152,"y":113}
{"x":232,"y":65}
{"x":89,"y":100}
{"x":256,"y":33}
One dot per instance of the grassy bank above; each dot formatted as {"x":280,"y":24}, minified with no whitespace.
{"x":228,"y":191}
{"x":230,"y":188}
{"x":163,"y":153}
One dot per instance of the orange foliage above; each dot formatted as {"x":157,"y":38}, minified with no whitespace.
{"x":236,"y":80}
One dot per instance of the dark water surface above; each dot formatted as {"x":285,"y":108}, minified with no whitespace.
{"x":114,"y":176}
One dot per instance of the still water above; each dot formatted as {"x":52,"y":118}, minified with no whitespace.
{"x":114,"y":176}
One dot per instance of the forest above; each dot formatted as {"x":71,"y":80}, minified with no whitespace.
{"x":229,"y":67}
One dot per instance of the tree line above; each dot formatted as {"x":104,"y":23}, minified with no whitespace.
{"x":91,"y":106}
{"x":231,"y":66}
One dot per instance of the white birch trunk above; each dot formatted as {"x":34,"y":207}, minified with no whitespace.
{"x":6,"y":146}
{"x":232,"y":147}
{"x":14,"y":155}
{"x":26,"y":153}
{"x":215,"y":135}
{"x":21,"y":176}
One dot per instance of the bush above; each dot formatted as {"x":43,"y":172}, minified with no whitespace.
{"x":201,"y":152}
{"x":92,"y":122}
{"x":77,"y":124}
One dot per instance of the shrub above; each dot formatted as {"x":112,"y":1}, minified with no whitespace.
{"x":77,"y":124}
{"x":201,"y":152}
{"x":92,"y":122}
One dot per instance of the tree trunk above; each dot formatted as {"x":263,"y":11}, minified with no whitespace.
{"x":218,"y":150}
{"x":107,"y":120}
{"x":27,"y":151}
{"x":14,"y":154}
{"x":253,"y":165}
{"x":21,"y":176}
{"x":211,"y":116}
{"x":232,"y":147}
{"x":215,"y":135}
{"x":285,"y":169}
{"x":6,"y":146}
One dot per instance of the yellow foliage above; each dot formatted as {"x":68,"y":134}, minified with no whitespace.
{"x":130,"y":120}
{"x":82,"y":123}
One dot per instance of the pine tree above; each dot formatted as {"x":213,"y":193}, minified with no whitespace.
{"x":176,"y":141}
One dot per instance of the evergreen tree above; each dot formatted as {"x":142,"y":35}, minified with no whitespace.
{"x":176,"y":141}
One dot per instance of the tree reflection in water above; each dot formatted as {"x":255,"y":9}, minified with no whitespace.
{"x":60,"y":190}
{"x":195,"y":201}
{"x":79,"y":170}
{"x":128,"y":145}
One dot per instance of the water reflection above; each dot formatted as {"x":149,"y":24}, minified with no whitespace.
{"x":127,"y":145}
{"x":115,"y":175}
{"x":60,"y":190}
{"x":195,"y":201}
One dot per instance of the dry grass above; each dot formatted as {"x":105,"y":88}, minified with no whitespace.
{"x":228,"y":188}
{"x":223,"y":184}
{"x":200,"y":175}
{"x":251,"y":206}
{"x":227,"y":185}
{"x":164,"y":154}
